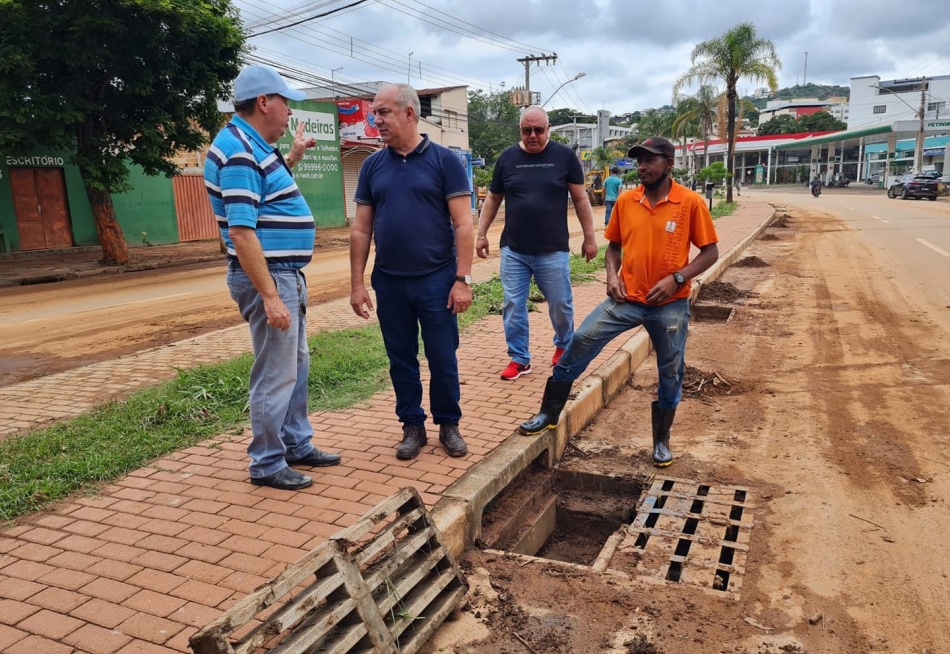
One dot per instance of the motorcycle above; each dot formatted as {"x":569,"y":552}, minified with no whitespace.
{"x":816,"y":190}
{"x":841,"y":182}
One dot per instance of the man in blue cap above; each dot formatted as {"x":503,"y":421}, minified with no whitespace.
{"x":269,"y":230}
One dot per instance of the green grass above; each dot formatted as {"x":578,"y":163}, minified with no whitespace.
{"x":723,"y":209}
{"x":346,"y":367}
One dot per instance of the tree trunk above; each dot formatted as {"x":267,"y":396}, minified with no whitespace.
{"x":115,"y":252}
{"x":731,"y":147}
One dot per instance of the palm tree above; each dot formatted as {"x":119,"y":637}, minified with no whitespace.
{"x":699,"y":111}
{"x":654,"y":122}
{"x":736,"y":54}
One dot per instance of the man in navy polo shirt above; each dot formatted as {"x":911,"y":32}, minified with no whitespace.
{"x":414,"y":201}
{"x":268,"y":229}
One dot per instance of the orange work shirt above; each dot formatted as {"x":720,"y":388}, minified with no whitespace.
{"x":656,"y":240}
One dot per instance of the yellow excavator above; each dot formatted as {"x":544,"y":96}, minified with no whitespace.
{"x":594,"y":183}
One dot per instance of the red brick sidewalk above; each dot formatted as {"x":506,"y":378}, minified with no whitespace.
{"x":151,"y":558}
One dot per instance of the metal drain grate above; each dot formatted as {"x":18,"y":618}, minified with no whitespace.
{"x":381,"y":586}
{"x":692,"y":533}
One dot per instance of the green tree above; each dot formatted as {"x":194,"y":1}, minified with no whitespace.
{"x":600,"y":158}
{"x":492,"y":123}
{"x":738,"y":53}
{"x":782,"y":124}
{"x":821,"y":121}
{"x":565,"y":116}
{"x":115,"y":82}
{"x":698,"y":111}
{"x":656,"y":122}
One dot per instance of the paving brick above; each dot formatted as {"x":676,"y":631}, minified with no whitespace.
{"x":96,"y":640}
{"x":203,"y":535}
{"x":37,"y":645}
{"x":35,"y":552}
{"x":50,"y":624}
{"x":109,"y":590}
{"x":158,"y":543}
{"x":12,"y":611}
{"x":243,"y":582}
{"x":76,"y":543}
{"x":201,"y":571}
{"x":198,"y":591}
{"x":58,"y":599}
{"x":143,"y":647}
{"x":9,"y":636}
{"x":105,"y":614}
{"x":347,"y":494}
{"x":245,"y":563}
{"x":27,"y":570}
{"x":85,"y":528}
{"x":66,"y":578}
{"x":160,"y":582}
{"x":42,"y":535}
{"x":150,"y":628}
{"x":18,"y":589}
{"x":114,"y":569}
{"x":153,"y":603}
{"x":207,"y":553}
{"x":195,"y":615}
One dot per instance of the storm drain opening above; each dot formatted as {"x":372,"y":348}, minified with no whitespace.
{"x":562,"y":515}
{"x":711,"y":313}
{"x":689,"y":533}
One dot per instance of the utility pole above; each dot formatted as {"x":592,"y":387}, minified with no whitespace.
{"x":527,"y":61}
{"x":919,"y":144}
{"x":805,"y":73}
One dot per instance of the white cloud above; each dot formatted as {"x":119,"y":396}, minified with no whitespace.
{"x":632,"y":53}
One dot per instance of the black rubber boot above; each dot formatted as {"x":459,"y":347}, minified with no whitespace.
{"x":662,"y":422}
{"x":555,"y":397}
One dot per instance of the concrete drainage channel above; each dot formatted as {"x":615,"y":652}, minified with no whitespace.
{"x":662,"y":530}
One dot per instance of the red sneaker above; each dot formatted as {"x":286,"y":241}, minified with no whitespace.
{"x":515,"y":370}
{"x":558,"y":351}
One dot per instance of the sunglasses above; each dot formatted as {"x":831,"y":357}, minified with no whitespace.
{"x":538,"y":131}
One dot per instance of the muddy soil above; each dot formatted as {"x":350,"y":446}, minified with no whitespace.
{"x":831,"y":416}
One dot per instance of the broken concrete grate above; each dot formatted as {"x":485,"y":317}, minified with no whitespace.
{"x":383,"y":585}
{"x":691,"y":533}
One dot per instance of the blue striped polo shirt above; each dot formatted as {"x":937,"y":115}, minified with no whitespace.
{"x":250,"y":185}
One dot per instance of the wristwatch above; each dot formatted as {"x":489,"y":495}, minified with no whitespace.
{"x":465,"y":279}
{"x":679,"y":279}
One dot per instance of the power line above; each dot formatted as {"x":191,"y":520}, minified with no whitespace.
{"x":309,"y":18}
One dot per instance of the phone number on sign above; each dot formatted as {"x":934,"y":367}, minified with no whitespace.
{"x":319,"y":167}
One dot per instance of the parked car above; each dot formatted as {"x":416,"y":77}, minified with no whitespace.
{"x":874,"y":178}
{"x":913,"y":186}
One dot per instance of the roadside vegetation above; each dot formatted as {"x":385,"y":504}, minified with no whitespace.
{"x":346,"y":367}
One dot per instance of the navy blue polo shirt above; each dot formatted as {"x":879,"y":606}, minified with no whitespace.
{"x":412,"y":228}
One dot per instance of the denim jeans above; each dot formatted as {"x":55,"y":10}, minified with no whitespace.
{"x":666,"y":324}
{"x":552,"y":273}
{"x":404,"y":305}
{"x":608,"y":209}
{"x":280,"y":426}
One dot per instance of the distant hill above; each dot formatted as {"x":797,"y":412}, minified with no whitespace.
{"x":820,"y":91}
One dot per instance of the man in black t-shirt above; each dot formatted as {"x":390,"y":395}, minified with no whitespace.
{"x":534,"y":178}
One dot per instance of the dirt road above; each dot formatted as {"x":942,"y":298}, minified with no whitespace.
{"x":816,"y":419}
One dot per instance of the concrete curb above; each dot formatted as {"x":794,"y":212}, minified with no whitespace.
{"x":458,"y":515}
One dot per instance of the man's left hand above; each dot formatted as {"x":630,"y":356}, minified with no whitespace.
{"x":589,"y":249}
{"x":460,"y":298}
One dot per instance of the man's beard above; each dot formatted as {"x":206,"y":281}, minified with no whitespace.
{"x":655,"y":185}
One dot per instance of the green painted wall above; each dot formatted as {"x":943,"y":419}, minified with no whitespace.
{"x":148,"y":207}
{"x":147,"y":212}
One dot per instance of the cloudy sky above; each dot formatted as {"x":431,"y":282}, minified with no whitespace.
{"x":630,"y":51}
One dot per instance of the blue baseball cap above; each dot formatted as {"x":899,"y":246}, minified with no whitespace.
{"x":263,"y":80}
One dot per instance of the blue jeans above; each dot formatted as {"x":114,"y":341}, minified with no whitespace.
{"x":404,"y":305}
{"x":552,"y":273}
{"x":666,"y":324}
{"x":608,"y":209}
{"x":280,"y":426}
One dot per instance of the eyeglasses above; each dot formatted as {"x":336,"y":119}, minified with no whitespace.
{"x":538,"y":131}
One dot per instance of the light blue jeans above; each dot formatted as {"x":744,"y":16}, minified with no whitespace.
{"x":280,"y":426}
{"x":667,"y":325}
{"x":552,"y":273}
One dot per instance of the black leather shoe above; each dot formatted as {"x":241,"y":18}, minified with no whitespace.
{"x":452,"y":441}
{"x":316,"y":459}
{"x":286,"y":479}
{"x":413,"y":438}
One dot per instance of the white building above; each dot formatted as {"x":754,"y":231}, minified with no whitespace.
{"x":881,"y":102}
